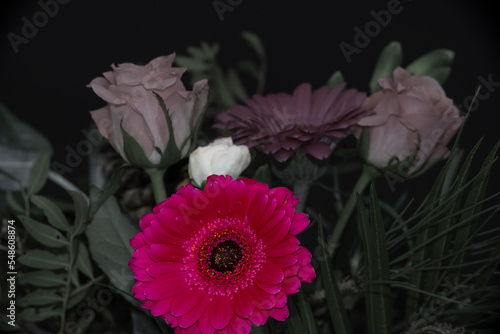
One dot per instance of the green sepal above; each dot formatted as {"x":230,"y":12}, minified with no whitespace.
{"x":390,"y":58}
{"x":435,"y":63}
{"x":133,"y":151}
{"x":335,"y":79}
{"x":172,"y":153}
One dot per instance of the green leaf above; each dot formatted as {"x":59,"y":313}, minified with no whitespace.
{"x":83,"y":262}
{"x":76,"y":299}
{"x":32,"y":314}
{"x":336,"y":79}
{"x":39,"y":173}
{"x":338,"y":315}
{"x":306,"y":312}
{"x":15,"y":165}
{"x":81,"y":211}
{"x":221,"y":88}
{"x":108,"y":190}
{"x":255,"y":42}
{"x":54,"y":215}
{"x":193,"y":64}
{"x":473,"y":203}
{"x":435,"y":64}
{"x":42,"y":278}
{"x":44,"y":233}
{"x":39,"y":298}
{"x":390,"y":58}
{"x":378,"y":297}
{"x":294,"y":322}
{"x":263,"y":174}
{"x":133,"y":150}
{"x":18,"y":134}
{"x":234,"y":82}
{"x":13,"y":203}
{"x":41,"y":259}
{"x":109,"y":236}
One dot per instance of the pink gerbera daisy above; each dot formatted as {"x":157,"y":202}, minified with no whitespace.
{"x":311,"y":121}
{"x":222,"y":258}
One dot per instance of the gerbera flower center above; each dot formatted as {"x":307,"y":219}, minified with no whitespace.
{"x":225,"y":256}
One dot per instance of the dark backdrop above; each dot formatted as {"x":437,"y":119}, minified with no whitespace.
{"x":44,"y":81}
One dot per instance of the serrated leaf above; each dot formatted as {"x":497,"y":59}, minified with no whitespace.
{"x":44,"y":233}
{"x":81,"y":211}
{"x":39,"y":298}
{"x":41,"y":259}
{"x":54,"y":215}
{"x":390,"y":58}
{"x":109,"y":235}
{"x":193,"y":64}
{"x":39,"y":173}
{"x":32,"y":314}
{"x":248,"y":66}
{"x":334,"y":301}
{"x":335,"y":79}
{"x":255,"y":42}
{"x":196,"y":52}
{"x":42,"y":278}
{"x":83,"y":262}
{"x":234,"y":82}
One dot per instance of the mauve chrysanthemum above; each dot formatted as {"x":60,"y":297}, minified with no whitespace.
{"x":312,"y":121}
{"x":222,"y":258}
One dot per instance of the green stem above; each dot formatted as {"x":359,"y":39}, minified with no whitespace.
{"x":67,"y":289}
{"x":367,"y":175}
{"x":156,"y":176}
{"x":301,"y":190}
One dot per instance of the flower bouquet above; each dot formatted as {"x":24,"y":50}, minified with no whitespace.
{"x":216,"y":210}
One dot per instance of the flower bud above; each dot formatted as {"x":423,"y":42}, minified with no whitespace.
{"x":220,"y":157}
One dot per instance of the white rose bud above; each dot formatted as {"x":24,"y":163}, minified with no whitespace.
{"x":220,"y":157}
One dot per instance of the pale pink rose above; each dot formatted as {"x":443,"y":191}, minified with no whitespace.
{"x":129,"y":88}
{"x":411,"y":113}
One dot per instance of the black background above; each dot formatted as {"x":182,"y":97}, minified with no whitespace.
{"x":44,"y":83}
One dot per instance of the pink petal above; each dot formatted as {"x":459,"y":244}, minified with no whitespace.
{"x":289,"y":245}
{"x":241,"y":326}
{"x":299,"y":223}
{"x":243,"y":304}
{"x":191,"y":317}
{"x":160,"y":307}
{"x":278,"y":233}
{"x":220,"y":312}
{"x":271,"y":289}
{"x":165,"y":287}
{"x":270,"y":274}
{"x":186,"y":299}
{"x":164,"y":252}
{"x":291,"y":284}
{"x":263,"y":300}
{"x":164,"y":268}
{"x":205,"y":325}
{"x":280,"y":314}
{"x":259,"y":317}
